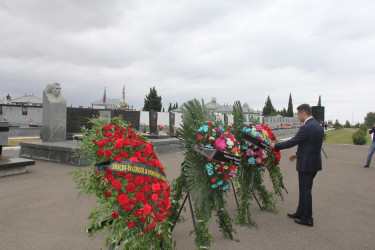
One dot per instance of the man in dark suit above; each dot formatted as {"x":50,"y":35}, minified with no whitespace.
{"x":309,"y":161}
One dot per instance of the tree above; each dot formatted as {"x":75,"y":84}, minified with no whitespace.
{"x":289,"y":112}
{"x":152,"y":101}
{"x":268,"y":108}
{"x":370,"y":119}
{"x":337,"y":125}
{"x":170,"y":107}
{"x":163,"y":109}
{"x":320,"y":102}
{"x":8,"y":97}
{"x":347,"y":124}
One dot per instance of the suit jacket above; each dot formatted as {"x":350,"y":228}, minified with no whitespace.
{"x":309,"y":140}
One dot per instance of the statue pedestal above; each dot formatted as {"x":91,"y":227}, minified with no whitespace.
{"x":54,"y":120}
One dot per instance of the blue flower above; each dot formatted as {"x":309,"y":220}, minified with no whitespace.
{"x":226,"y":187}
{"x":214,"y":185}
{"x":244,"y":146}
{"x":251,"y":160}
{"x":219,"y":183}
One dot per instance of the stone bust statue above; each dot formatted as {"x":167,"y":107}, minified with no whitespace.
{"x":53,"y":92}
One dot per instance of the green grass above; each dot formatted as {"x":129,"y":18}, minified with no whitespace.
{"x":343,"y":136}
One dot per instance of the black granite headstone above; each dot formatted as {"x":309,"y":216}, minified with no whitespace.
{"x":79,"y":117}
{"x":153,"y":121}
{"x":171,"y":123}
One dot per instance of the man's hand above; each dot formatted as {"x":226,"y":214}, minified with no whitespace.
{"x":292,"y":157}
{"x":272,"y":145}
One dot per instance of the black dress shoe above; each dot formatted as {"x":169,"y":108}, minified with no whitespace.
{"x":366,"y":166}
{"x":294,"y":216}
{"x":303,"y":222}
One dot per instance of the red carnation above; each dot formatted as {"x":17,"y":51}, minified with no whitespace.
{"x":152,"y":225}
{"x":146,"y":209}
{"x":108,"y":153}
{"x":110,"y":178}
{"x":108,"y":171}
{"x":122,"y":199}
{"x":213,"y":180}
{"x":143,"y":219}
{"x":130,"y":224}
{"x":115,"y":214}
{"x":132,"y":202}
{"x":159,"y":217}
{"x":138,"y":213}
{"x":108,"y":133}
{"x":155,"y":197}
{"x":118,"y":145}
{"x":101,"y":143}
{"x":131,"y":187}
{"x":129,"y":177}
{"x":160,"y":203}
{"x":209,"y":123}
{"x":101,"y":152}
{"x":220,"y":169}
{"x":139,"y":180}
{"x":108,"y":193}
{"x":139,"y":197}
{"x":159,"y":235}
{"x":117,"y":184}
{"x":124,"y":154}
{"x":133,"y":159}
{"x":155,"y":186}
{"x":168,"y":204}
{"x":127,"y":207}
{"x":117,"y":158}
{"x":199,"y":137}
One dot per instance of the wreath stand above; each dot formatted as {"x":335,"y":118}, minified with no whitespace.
{"x":187,"y":197}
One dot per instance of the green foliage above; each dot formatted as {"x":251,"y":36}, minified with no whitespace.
{"x":289,"y":112}
{"x":370,"y":119}
{"x":205,"y":198}
{"x":347,"y":124}
{"x":108,"y":214}
{"x":249,"y":181}
{"x":319,"y":102}
{"x":152,"y":101}
{"x":337,"y":125}
{"x":268,"y":109}
{"x":359,"y":137}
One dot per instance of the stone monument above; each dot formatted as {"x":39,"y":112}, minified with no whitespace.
{"x":171,"y":123}
{"x":54,"y":114}
{"x":153,"y":116}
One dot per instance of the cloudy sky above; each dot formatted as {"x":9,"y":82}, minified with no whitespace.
{"x":231,"y":50}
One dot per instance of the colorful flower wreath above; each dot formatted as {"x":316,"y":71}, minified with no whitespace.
{"x":213,"y":135}
{"x":255,"y":155}
{"x":276,"y":155}
{"x":135,"y":202}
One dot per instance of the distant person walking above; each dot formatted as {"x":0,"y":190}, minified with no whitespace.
{"x":372,"y":147}
{"x":309,"y":161}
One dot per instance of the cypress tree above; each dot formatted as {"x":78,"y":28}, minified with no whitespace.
{"x":320,"y":102}
{"x":268,"y":108}
{"x":152,"y":101}
{"x":289,"y":112}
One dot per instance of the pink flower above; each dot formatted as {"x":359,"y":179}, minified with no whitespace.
{"x":220,"y":144}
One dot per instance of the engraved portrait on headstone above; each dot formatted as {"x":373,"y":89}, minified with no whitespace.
{"x":54,"y":114}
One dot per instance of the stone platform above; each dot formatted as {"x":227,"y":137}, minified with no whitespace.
{"x":15,"y":166}
{"x":69,"y":152}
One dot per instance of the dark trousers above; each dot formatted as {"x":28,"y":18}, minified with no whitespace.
{"x":305,"y":199}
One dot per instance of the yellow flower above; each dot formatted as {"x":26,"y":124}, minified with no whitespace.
{"x":225,"y":167}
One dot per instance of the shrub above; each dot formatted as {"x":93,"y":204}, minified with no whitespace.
{"x":359,"y":138}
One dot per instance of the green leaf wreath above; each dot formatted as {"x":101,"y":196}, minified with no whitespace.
{"x":207,"y":180}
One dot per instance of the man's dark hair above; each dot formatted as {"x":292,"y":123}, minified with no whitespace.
{"x":304,"y":108}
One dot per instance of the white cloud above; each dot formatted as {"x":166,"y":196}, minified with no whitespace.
{"x":192,"y":49}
